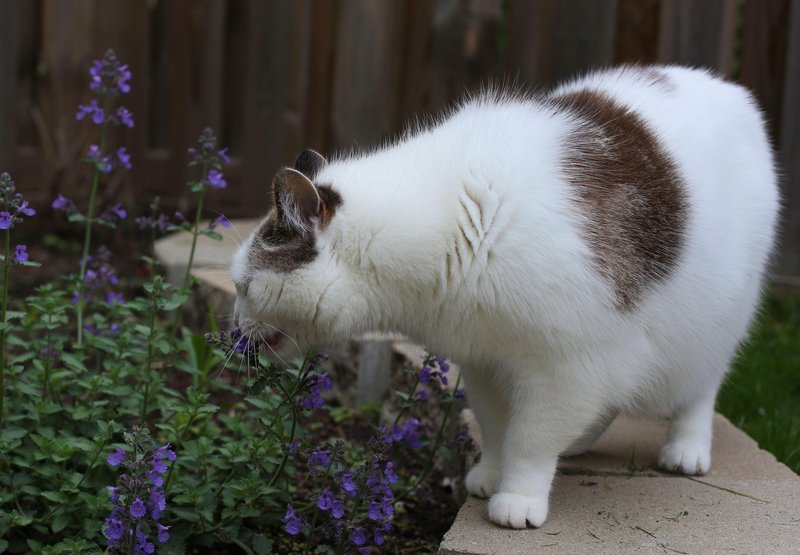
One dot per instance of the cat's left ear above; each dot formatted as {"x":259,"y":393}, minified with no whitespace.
{"x":296,"y":199}
{"x":309,"y":163}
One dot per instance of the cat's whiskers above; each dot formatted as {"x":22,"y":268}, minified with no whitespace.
{"x":271,"y":349}
{"x":289,"y":337}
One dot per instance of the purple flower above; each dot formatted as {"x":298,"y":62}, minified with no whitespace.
{"x":348,"y":485}
{"x":219,"y":220}
{"x":6,"y":221}
{"x":91,"y":109}
{"x":377,"y":536}
{"x":96,"y":157}
{"x":114,"y":213}
{"x":460,"y":394}
{"x":113,"y":298}
{"x":64,"y":204}
{"x":116,"y":458}
{"x":138,"y":510}
{"x":125,"y":116}
{"x":389,"y":473}
{"x":166,"y":452}
{"x":325,"y":500}
{"x":319,"y":458}
{"x":443,"y":365}
{"x":143,"y":544}
{"x":224,"y":155}
{"x":26,"y":210}
{"x":292,"y":522}
{"x":123,"y":158}
{"x":216,"y":179}
{"x":108,"y":76}
{"x":163,"y":535}
{"x":21,"y":253}
{"x":425,"y":374}
{"x":423,"y":394}
{"x":359,"y":536}
{"x":113,"y":529}
{"x":158,"y":503}
{"x":375,"y":511}
{"x":337,"y":510}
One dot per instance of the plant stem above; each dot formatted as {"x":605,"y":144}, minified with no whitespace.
{"x":49,"y":362}
{"x":292,"y":430}
{"x":6,"y":265}
{"x":436,"y":444}
{"x":149,"y":363}
{"x":187,"y":280}
{"x":87,"y":239}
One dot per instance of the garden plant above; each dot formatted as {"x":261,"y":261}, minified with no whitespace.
{"x":124,"y":431}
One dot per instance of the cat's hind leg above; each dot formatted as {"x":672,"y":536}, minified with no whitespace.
{"x":489,"y":403}
{"x":688,"y":448}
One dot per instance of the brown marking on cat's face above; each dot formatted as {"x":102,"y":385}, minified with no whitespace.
{"x":629,"y":190}
{"x":283,"y":242}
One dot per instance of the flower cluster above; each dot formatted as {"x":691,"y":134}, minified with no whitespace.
{"x":315,"y":380}
{"x":138,"y":497}
{"x":100,"y":277}
{"x":429,"y":369}
{"x":407,"y":434}
{"x":359,"y":504}
{"x":211,"y":158}
{"x":12,"y":210}
{"x":108,"y":162}
{"x":108,"y":78}
{"x":12,"y":207}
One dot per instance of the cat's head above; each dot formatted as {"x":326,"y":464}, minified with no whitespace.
{"x":290,"y":283}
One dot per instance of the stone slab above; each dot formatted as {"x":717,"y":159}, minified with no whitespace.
{"x":613,"y":500}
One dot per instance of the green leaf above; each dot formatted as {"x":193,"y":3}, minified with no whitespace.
{"x":186,"y":514}
{"x":76,"y":217}
{"x":73,"y":362}
{"x":60,"y":522}
{"x":261,"y":545}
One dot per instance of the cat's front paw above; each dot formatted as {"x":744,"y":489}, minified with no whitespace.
{"x":482,"y":480}
{"x":692,"y":458}
{"x":512,"y":510}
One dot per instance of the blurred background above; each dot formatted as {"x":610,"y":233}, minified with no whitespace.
{"x":272,"y":77}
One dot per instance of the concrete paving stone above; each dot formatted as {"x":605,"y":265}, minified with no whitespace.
{"x":613,"y":500}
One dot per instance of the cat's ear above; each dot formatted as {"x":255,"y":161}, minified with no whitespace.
{"x":309,"y":163}
{"x":296,"y":199}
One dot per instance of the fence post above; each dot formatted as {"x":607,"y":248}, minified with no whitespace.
{"x":789,"y":265}
{"x":551,"y":40}
{"x":698,"y":33}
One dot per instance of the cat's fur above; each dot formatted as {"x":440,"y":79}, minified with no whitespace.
{"x":596,"y":250}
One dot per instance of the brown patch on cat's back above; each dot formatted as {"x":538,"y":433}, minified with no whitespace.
{"x":628,"y":189}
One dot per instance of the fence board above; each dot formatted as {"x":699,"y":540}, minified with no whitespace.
{"x":637,"y":31}
{"x":366,"y":72}
{"x":417,"y":62}
{"x":551,"y":40}
{"x":320,"y":74}
{"x":698,"y":32}
{"x":8,"y":83}
{"x":764,"y":41}
{"x":276,"y":89}
{"x":789,"y":264}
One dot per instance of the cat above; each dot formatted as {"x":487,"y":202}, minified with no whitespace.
{"x":598,"y":249}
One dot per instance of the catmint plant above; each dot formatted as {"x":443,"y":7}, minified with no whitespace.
{"x":109,"y":79}
{"x":138,"y":497}
{"x":210,"y":158}
{"x":13,"y":210}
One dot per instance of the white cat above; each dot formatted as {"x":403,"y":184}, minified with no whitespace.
{"x":596,"y":250}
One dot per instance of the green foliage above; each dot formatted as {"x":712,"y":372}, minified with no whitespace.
{"x":762,"y":394}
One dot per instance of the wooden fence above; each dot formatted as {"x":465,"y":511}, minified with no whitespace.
{"x":275,"y":76}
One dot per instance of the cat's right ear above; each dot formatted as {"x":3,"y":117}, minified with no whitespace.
{"x":309,"y":163}
{"x":296,"y":199}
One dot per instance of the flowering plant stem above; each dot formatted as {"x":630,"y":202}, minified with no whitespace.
{"x":187,"y":280}
{"x":149,"y":362}
{"x":87,"y":239}
{"x":292,"y":431}
{"x":6,"y":265}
